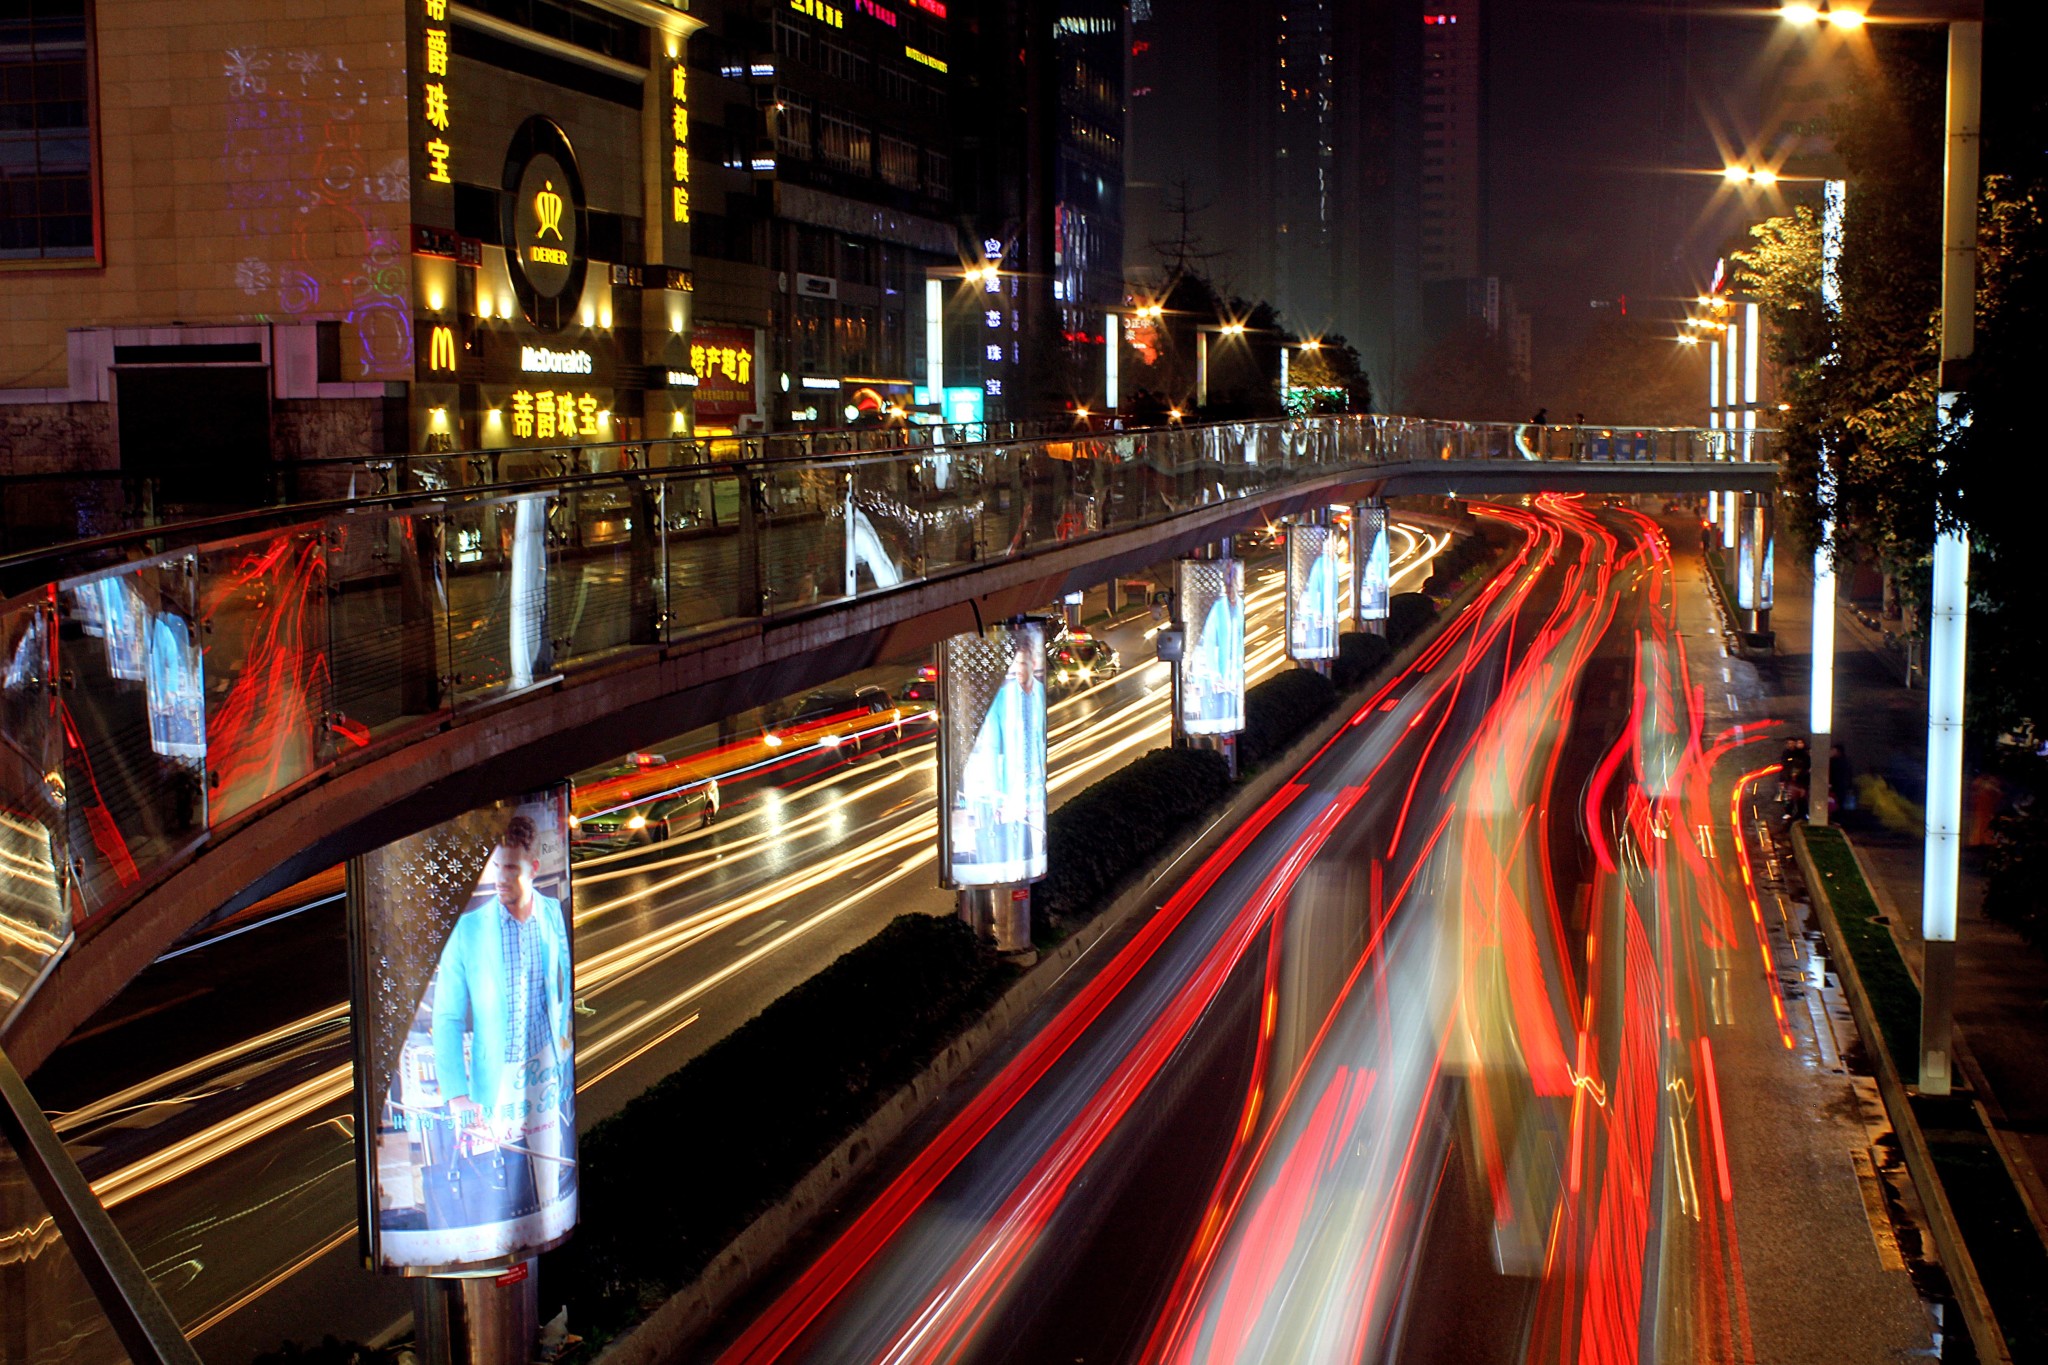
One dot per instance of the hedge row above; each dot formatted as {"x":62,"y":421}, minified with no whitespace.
{"x":1279,"y":711}
{"x":1095,"y":839}
{"x":1460,"y":557}
{"x":684,"y":1168}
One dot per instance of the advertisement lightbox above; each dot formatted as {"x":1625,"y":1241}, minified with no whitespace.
{"x":1312,"y":593}
{"x":1212,"y":654}
{"x":1370,"y":532}
{"x":992,"y":757}
{"x":464,"y":1029}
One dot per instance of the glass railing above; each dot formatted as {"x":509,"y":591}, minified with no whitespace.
{"x":158,"y":685}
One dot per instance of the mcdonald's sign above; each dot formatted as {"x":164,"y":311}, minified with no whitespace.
{"x":441,"y":350}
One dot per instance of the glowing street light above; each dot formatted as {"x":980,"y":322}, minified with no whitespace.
{"x":1948,"y":607}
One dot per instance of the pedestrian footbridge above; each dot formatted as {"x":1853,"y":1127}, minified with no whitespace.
{"x":198,"y":714}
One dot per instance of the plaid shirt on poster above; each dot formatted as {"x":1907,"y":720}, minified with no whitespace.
{"x":525,"y":990}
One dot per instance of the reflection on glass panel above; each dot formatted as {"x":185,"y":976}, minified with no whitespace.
{"x":703,"y":550}
{"x":803,"y":536}
{"x":133,"y":709}
{"x":48,"y":1315}
{"x":263,"y":602}
{"x":33,"y":915}
{"x":497,"y":577}
{"x":388,"y":619}
{"x":605,"y":581}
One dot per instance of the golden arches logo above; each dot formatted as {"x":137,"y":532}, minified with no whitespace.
{"x":547,"y":206}
{"x":441,"y":349}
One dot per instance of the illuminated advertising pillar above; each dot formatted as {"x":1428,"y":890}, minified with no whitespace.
{"x":1371,"y":566}
{"x":463,"y":1024}
{"x":1313,"y":615}
{"x":992,"y":797}
{"x":1209,"y":680}
{"x":1745,"y":554}
{"x":1764,"y":533}
{"x":1714,"y":422}
{"x":1730,"y":500}
{"x":1821,"y":720}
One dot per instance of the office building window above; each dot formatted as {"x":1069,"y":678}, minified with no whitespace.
{"x":844,"y":144}
{"x":899,"y":162}
{"x":813,"y":334}
{"x":46,"y":168}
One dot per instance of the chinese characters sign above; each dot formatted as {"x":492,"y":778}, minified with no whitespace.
{"x":723,"y":359}
{"x":434,"y":90}
{"x":544,"y":415}
{"x":679,"y":121}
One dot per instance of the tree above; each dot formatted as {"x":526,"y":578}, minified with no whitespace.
{"x":1466,"y":376}
{"x":1629,"y":372}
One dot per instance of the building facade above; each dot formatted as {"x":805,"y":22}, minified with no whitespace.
{"x":262,"y":234}
{"x":825,"y":177}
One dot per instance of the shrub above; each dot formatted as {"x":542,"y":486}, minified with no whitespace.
{"x":1359,"y":657}
{"x":1279,"y":711}
{"x":681,"y":1170}
{"x":1102,"y":833}
{"x":1408,"y":615}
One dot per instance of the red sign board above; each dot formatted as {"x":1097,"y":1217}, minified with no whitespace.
{"x":723,"y":360}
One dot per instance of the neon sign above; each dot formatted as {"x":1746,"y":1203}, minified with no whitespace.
{"x":922,"y":58}
{"x":542,"y":360}
{"x":679,"y":124}
{"x":544,"y":415}
{"x":875,"y":11}
{"x":829,"y":15}
{"x":434,"y":93}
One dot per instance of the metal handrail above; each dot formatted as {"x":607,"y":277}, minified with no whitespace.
{"x":198,"y":530}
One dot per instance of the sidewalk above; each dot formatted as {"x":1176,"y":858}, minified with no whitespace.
{"x":2002,"y":981}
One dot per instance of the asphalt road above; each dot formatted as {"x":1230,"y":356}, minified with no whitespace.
{"x":1422,"y":1063}
{"x":209,"y":1104}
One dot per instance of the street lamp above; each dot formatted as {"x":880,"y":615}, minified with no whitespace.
{"x":1806,"y":16}
{"x":1948,"y":609}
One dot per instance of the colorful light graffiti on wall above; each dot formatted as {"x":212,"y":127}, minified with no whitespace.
{"x":305,"y":148}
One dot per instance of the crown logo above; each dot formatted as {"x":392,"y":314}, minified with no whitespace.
{"x":547,"y":206}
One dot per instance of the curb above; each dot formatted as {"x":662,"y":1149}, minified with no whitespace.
{"x":682,"y":1318}
{"x":1985,"y":1335}
{"x":2019,"y":1168}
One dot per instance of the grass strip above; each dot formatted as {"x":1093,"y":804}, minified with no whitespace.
{"x":1894,"y":997}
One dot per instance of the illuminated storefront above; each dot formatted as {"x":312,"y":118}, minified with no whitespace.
{"x":551,"y":232}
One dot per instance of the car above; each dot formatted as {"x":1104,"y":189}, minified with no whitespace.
{"x":1080,"y":661}
{"x":644,"y":797}
{"x":847,"y":719}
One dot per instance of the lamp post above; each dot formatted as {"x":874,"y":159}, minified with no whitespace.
{"x":1228,"y":329}
{"x":1821,"y":700}
{"x":1948,"y":607}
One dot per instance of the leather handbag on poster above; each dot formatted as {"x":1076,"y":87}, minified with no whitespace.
{"x":473,"y":1188}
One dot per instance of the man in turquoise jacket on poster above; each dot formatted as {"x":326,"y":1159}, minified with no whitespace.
{"x":505,"y":980}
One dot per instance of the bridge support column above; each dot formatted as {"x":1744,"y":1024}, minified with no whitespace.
{"x":1000,"y":915}
{"x":491,"y":1318}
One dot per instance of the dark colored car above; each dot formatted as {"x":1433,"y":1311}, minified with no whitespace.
{"x":1080,"y":661}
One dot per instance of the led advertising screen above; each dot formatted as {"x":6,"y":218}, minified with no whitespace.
{"x":465,"y":1039}
{"x":1312,"y":572}
{"x":992,"y":756}
{"x":1766,"y":569}
{"x":1212,"y":656}
{"x":1370,"y":532}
